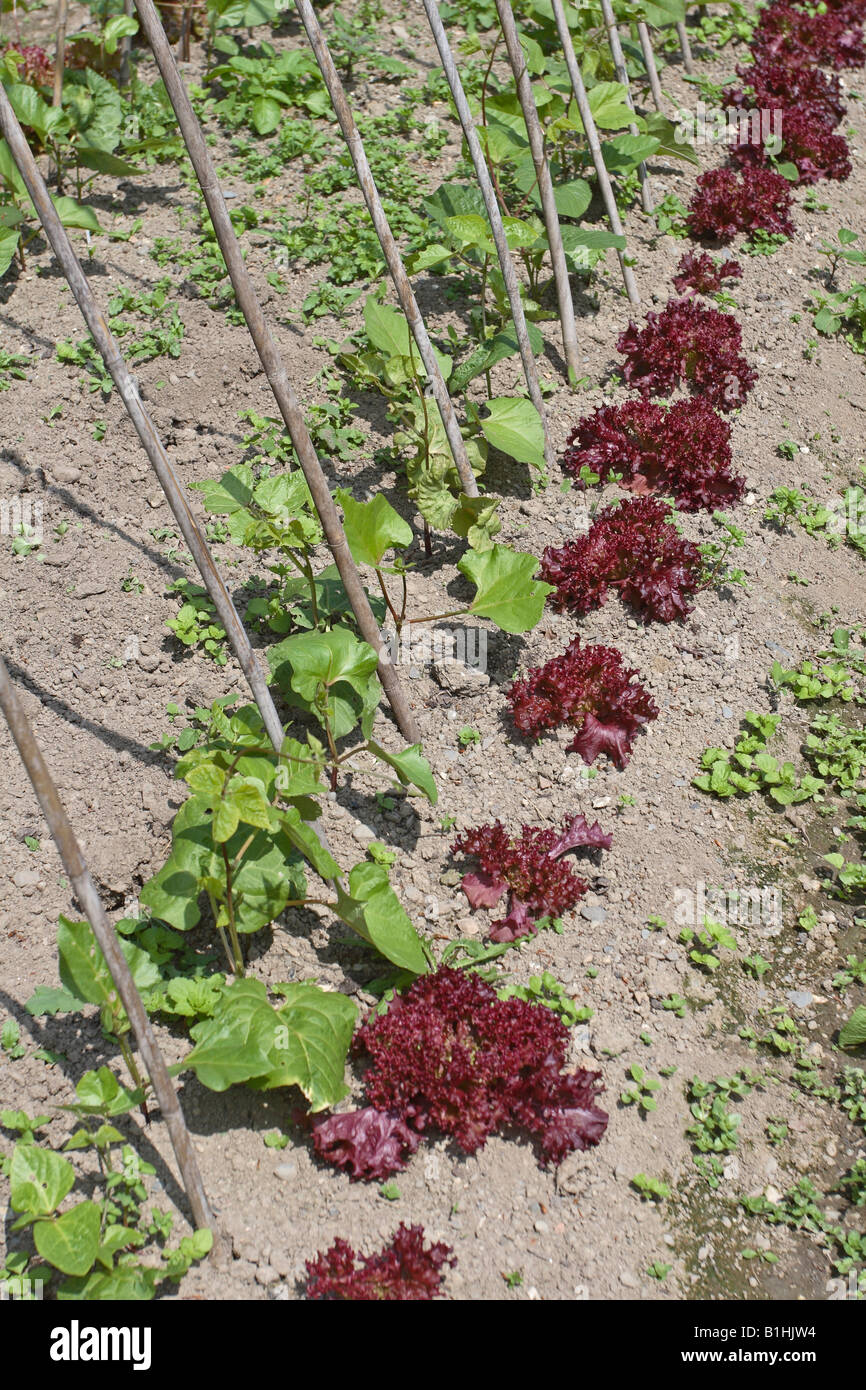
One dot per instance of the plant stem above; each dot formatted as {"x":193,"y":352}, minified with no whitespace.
{"x":230,"y":909}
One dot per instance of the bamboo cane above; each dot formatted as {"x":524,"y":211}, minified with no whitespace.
{"x":649,"y":63}
{"x":685,"y":47}
{"x":79,"y":876}
{"x":271,"y":360}
{"x":619,"y":63}
{"x":545,"y":187}
{"x":59,"y":52}
{"x":588,"y":123}
{"x":491,"y":203}
{"x":393,"y":259}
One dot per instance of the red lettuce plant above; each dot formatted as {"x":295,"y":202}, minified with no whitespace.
{"x":772,"y":84}
{"x":530,"y":868}
{"x":687,"y":344}
{"x":451,"y":1055}
{"x":807,"y":141}
{"x":589,"y":689}
{"x":404,"y":1270}
{"x":830,"y":37}
{"x":35,"y":68}
{"x":631,"y":546}
{"x":369,"y":1143}
{"x":683,"y":450}
{"x":726,"y":202}
{"x":699,"y":272}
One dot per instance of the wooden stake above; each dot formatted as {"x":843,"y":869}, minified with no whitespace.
{"x":59,"y":52}
{"x":545,"y":187}
{"x":619,"y":63}
{"x":588,"y":123}
{"x":649,"y":63}
{"x":491,"y":203}
{"x":685,"y":47}
{"x":393,"y":259}
{"x":85,"y":891}
{"x":271,"y":360}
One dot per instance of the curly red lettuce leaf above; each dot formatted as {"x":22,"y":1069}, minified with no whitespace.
{"x":633,"y":547}
{"x":450,"y":1055}
{"x":530,"y":867}
{"x":688,"y":345}
{"x":831,"y":36}
{"x":700,"y":273}
{"x":589,"y":689}
{"x":771,"y":84}
{"x":726,"y":202}
{"x":683,"y":451}
{"x":370,"y":1144}
{"x":808,"y":142}
{"x":404,"y":1270}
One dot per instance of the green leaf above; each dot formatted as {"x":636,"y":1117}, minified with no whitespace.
{"x":38,"y":1180}
{"x":10,"y":172}
{"x":372,"y":909}
{"x":453,"y":199}
{"x":372,"y":527}
{"x":311,"y":1044}
{"x":233,"y":492}
{"x":48,"y":999}
{"x":508,"y":593}
{"x":853,"y":1033}
{"x":609,"y":107}
{"x":100,"y":1093}
{"x":514,"y":426}
{"x":235,"y":1045}
{"x":305,"y":839}
{"x":487,"y":354}
{"x":30,"y":108}
{"x":411,"y":768}
{"x":666,"y":133}
{"x":626,"y":152}
{"x":70,"y":1242}
{"x":266,"y":115}
{"x":83,"y":969}
{"x":386,"y":328}
{"x":105,"y":163}
{"x":9,"y":240}
{"x":118,"y":27}
{"x":336,"y":664}
{"x":573,"y":198}
{"x":74,"y":214}
{"x":127,"y":1283}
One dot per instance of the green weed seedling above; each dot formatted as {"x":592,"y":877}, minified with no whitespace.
{"x":715,"y":1127}
{"x":643,"y":1092}
{"x":651,"y":1189}
{"x":705,"y":941}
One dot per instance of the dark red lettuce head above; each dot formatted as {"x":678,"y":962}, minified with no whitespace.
{"x":405,"y":1270}
{"x":369,"y":1143}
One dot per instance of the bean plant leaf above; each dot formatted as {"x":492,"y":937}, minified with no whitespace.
{"x":508,"y":593}
{"x":607,"y":102}
{"x":333,"y":674}
{"x":514,"y":426}
{"x":373,"y":910}
{"x":83,"y":968}
{"x":49,"y":999}
{"x":234,"y":1045}
{"x":70,"y":1242}
{"x":372,"y":527}
{"x":312,"y":1040}
{"x":39,"y":1180}
{"x":853,"y":1034}
{"x":411,"y":768}
{"x":100,"y":1093}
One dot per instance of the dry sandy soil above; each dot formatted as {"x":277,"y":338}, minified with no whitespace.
{"x":96,"y":667}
